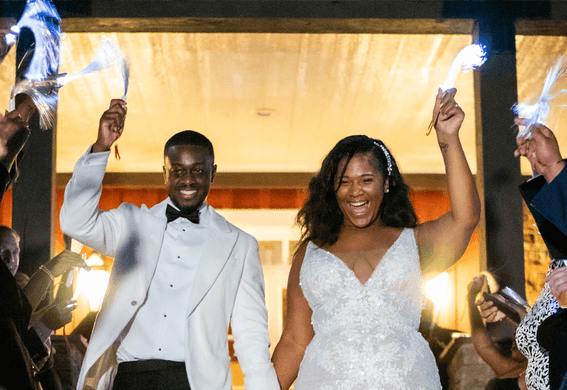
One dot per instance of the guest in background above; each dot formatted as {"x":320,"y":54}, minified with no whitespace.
{"x":17,"y":368}
{"x":541,"y":334}
{"x":508,"y":366}
{"x":14,"y":133}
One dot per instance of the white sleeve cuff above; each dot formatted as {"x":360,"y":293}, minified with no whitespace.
{"x":90,"y":158}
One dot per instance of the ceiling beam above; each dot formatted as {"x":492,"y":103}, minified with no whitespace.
{"x":339,"y":9}
{"x":264,"y":25}
{"x":309,"y":16}
{"x":316,"y":9}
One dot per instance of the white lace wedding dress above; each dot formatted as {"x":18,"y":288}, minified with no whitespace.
{"x":366,"y":335}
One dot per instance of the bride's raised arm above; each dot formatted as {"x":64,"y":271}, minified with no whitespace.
{"x":443,"y":241}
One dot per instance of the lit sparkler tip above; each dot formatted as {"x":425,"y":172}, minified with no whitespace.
{"x":470,"y":57}
{"x":473,"y":56}
{"x":10,"y":39}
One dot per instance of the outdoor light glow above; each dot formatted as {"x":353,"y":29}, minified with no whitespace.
{"x":94,"y":260}
{"x":93,"y":284}
{"x":437,"y":289}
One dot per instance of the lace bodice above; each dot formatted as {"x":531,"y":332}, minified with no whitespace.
{"x":537,"y":372}
{"x":366,"y":335}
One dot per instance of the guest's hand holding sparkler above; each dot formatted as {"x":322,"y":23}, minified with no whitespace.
{"x":488,"y":311}
{"x":14,"y":133}
{"x":111,"y":126}
{"x":541,"y":150}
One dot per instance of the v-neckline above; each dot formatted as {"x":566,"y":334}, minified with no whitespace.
{"x":375,"y":268}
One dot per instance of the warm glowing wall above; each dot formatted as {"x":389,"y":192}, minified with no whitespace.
{"x":428,"y":205}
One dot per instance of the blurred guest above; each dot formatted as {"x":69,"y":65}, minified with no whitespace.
{"x":17,"y":367}
{"x":14,"y":133}
{"x":508,"y":366}
{"x":539,"y":336}
{"x":51,"y":315}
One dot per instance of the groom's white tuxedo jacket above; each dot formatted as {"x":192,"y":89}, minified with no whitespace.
{"x":228,"y":287}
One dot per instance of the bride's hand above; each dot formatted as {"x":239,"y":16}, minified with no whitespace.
{"x":449,"y":114}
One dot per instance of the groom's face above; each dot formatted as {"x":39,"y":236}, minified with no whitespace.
{"x":188,"y":172}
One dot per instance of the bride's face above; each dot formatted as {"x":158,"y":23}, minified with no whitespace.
{"x":360,"y":191}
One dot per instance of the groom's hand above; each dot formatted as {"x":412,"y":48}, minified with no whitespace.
{"x":111,"y":126}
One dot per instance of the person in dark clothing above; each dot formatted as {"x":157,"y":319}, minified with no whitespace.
{"x":17,"y":367}
{"x":542,"y":334}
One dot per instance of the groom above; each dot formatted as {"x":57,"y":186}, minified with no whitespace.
{"x":181,"y":275}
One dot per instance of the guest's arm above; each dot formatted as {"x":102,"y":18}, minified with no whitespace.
{"x":14,"y":133}
{"x":502,"y":366}
{"x":542,"y":152}
{"x":40,"y":281}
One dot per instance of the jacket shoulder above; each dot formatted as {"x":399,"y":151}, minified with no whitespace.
{"x":224,"y":224}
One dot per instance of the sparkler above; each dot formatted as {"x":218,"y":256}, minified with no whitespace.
{"x":44,"y":96}
{"x":471,"y":57}
{"x":44,"y":92}
{"x":41,"y":17}
{"x":538,"y":112}
{"x":107,"y":56}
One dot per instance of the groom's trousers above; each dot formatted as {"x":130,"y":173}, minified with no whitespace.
{"x":151,"y":375}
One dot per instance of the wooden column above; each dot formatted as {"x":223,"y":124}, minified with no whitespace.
{"x":498,"y":171}
{"x":33,"y":205}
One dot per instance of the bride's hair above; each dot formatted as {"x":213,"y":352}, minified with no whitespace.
{"x":321,"y":219}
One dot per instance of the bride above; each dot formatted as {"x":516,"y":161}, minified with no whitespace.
{"x":354,"y":293}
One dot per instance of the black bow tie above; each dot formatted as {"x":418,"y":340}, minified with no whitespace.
{"x":172,"y":214}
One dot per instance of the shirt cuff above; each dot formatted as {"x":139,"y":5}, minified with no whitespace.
{"x":90,"y":158}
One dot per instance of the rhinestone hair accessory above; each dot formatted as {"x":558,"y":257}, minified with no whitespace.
{"x":387,"y":155}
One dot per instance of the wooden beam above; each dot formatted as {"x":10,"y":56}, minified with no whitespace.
{"x":307,"y":9}
{"x":264,"y":25}
{"x":498,"y":171}
{"x":412,"y":9}
{"x":542,"y":27}
{"x":333,"y":9}
{"x":33,"y":194}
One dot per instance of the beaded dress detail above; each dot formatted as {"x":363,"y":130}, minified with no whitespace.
{"x":366,"y":335}
{"x":537,"y":372}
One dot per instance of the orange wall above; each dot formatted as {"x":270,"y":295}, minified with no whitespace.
{"x":428,"y":205}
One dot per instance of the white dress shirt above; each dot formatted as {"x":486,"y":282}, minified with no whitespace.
{"x":158,"y":330}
